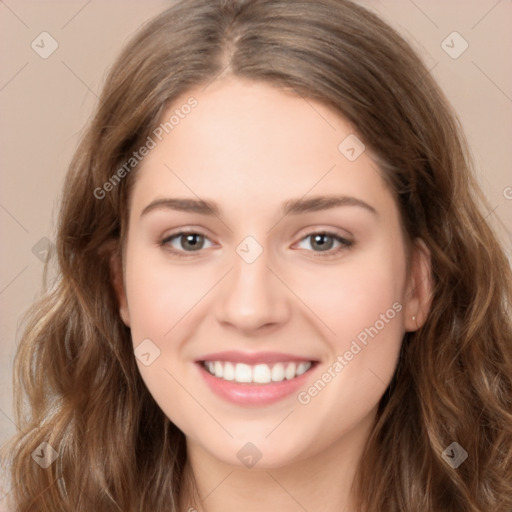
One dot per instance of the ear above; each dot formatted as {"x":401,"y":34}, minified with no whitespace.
{"x":418,"y":296}
{"x":116,"y":277}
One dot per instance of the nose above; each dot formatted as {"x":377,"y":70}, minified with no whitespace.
{"x":253,"y":296}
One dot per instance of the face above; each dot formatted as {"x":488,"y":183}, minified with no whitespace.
{"x":266,"y":314}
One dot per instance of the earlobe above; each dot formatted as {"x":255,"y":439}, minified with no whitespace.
{"x":419,"y":288}
{"x":116,"y":276}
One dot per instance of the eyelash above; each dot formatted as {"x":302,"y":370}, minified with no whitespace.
{"x":345,"y":244}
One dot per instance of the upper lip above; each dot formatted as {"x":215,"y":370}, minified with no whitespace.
{"x":253,"y":358}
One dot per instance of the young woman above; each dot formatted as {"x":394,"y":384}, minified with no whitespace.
{"x":277,"y":290}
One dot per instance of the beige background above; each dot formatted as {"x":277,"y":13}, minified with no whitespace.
{"x":45,"y":103}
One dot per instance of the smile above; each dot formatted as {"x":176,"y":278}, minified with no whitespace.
{"x":258,"y":373}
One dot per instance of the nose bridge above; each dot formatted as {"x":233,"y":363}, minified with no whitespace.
{"x":252,"y":296}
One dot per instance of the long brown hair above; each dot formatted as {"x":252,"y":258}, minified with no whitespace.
{"x":75,"y":368}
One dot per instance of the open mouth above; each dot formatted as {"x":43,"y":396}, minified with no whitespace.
{"x":258,"y":373}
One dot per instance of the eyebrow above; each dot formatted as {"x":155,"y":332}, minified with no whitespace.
{"x":290,"y":207}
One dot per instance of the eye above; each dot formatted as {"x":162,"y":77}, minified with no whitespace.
{"x":193,"y":241}
{"x":324,"y":241}
{"x":189,"y":241}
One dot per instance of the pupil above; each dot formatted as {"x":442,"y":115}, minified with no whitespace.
{"x":322,"y":245}
{"x":190,"y":237}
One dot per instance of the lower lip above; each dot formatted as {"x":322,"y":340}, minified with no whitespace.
{"x":253,"y":394}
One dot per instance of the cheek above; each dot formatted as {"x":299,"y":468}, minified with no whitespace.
{"x":362,"y":304}
{"x":353,"y":295}
{"x":159,"y":293}
{"x":160,"y":297}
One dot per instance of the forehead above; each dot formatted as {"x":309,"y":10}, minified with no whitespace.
{"x":250,"y":143}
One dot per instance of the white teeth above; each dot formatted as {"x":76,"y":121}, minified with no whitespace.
{"x":219,"y":369}
{"x":229,"y":371}
{"x":302,"y":368}
{"x":259,"y":373}
{"x":278,"y":372}
{"x":243,"y":373}
{"x":289,"y":373}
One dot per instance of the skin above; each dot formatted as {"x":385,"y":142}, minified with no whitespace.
{"x":249,"y":147}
